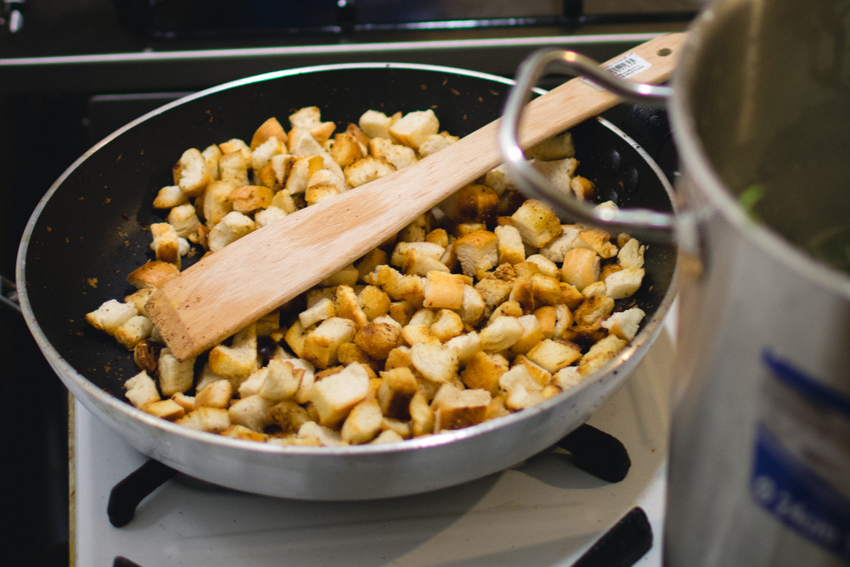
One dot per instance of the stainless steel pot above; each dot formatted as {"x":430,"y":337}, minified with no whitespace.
{"x":88,"y":232}
{"x":760,"y":459}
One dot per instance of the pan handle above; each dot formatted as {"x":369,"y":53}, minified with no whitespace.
{"x":658,"y":225}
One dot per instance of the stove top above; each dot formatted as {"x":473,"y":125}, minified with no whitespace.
{"x":545,"y":511}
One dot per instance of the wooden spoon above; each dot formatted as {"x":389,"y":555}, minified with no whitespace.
{"x":251,"y":277}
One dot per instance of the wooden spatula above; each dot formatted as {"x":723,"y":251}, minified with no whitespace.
{"x":251,"y":277}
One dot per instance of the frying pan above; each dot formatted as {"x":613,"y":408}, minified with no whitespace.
{"x":88,"y":232}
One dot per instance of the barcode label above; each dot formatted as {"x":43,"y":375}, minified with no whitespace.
{"x":624,"y":67}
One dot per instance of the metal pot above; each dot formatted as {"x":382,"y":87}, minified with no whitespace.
{"x":87,"y":233}
{"x":759,"y":469}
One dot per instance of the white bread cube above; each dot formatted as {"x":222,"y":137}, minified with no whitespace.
{"x":363,"y":423}
{"x":386,"y":436}
{"x":581,"y":267}
{"x":211,"y":154}
{"x":212,"y":420}
{"x":232,"y":227}
{"x":252,"y":384}
{"x":271,"y":128}
{"x":152,"y":274}
{"x":477,"y":252}
{"x":558,"y":172}
{"x":184,"y":219}
{"x":593,"y":309}
{"x":501,"y":334}
{"x":447,"y":325}
{"x":321,"y":310}
{"x":323,"y":435}
{"x":302,"y":396}
{"x":233,"y":167}
{"x":499,"y":180}
{"x":421,"y":415}
{"x":190,"y":173}
{"x":139,"y":299}
{"x":557,"y":249}
{"x":567,"y":377}
{"x":601,"y":352}
{"x":444,"y":290}
{"x":251,"y":412}
{"x":522,"y":390}
{"x":631,"y":254}
{"x":141,"y":390}
{"x":625,"y":324}
{"x":396,"y":154}
{"x":268,"y":216}
{"x":414,"y":127}
{"x":472,"y":306}
{"x":133,"y":330}
{"x":165,"y":243}
{"x":282,"y":380}
{"x":235,"y":145}
{"x":511,"y":248}
{"x":367,"y":169}
{"x":436,"y":142}
{"x":111,"y":315}
{"x":434,"y":361}
{"x":555,"y":148}
{"x":216,"y":394}
{"x":335,"y":395}
{"x":624,"y":283}
{"x":547,"y":266}
{"x":302,"y":143}
{"x":262,"y":154}
{"x":582,"y":187}
{"x":217,"y":201}
{"x":398,"y":386}
{"x":465,"y":346}
{"x":165,"y":409}
{"x":375,"y":124}
{"x":170,"y":196}
{"x":175,"y":376}
{"x":597,"y":240}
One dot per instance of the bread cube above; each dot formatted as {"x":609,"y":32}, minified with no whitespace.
{"x":434,"y":361}
{"x":537,"y":223}
{"x":212,"y":420}
{"x":321,"y":344}
{"x":251,"y":412}
{"x":477,"y":252}
{"x":553,"y":355}
{"x":335,"y":395}
{"x":501,"y":334}
{"x":625,"y":324}
{"x":624,"y":283}
{"x":217,"y":394}
{"x":111,"y":315}
{"x":414,"y":127}
{"x":170,"y":196}
{"x":190,"y":173}
{"x":141,"y":390}
{"x":600,"y":353}
{"x":455,"y":408}
{"x":133,"y":330}
{"x":377,"y":338}
{"x":483,"y":371}
{"x":238,"y":360}
{"x":232,"y":227}
{"x":363,"y":423}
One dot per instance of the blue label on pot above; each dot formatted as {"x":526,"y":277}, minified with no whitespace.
{"x":801,"y":471}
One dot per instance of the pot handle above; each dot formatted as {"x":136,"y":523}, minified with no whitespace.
{"x":658,"y":225}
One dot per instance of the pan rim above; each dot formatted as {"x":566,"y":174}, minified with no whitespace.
{"x":65,"y":370}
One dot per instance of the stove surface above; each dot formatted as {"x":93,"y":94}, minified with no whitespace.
{"x":543,"y":512}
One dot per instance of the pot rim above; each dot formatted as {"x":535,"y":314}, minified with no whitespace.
{"x":92,"y":393}
{"x":697,"y":166}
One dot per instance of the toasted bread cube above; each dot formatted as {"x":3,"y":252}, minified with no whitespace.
{"x":377,"y":338}
{"x":232,"y":227}
{"x":558,"y":248}
{"x":248,"y":199}
{"x":111,"y":315}
{"x":477,"y":252}
{"x":553,"y":355}
{"x":625,"y":324}
{"x":522,"y":390}
{"x":302,"y":396}
{"x":581,"y":267}
{"x":184,"y":401}
{"x":555,"y":148}
{"x":500,"y":181}
{"x":509,"y":308}
{"x":369,"y":262}
{"x":251,"y":412}
{"x":348,"y":307}
{"x":288,"y":415}
{"x":537,"y":223}
{"x":321,"y":344}
{"x":501,"y":334}
{"x":447,"y":325}
{"x":375,"y":124}
{"x":567,"y":377}
{"x":184,"y":219}
{"x":141,"y":390}
{"x":421,"y":415}
{"x":233,"y":167}
{"x":235,"y":145}
{"x":427,"y":249}
{"x":399,"y":156}
{"x":165,"y":243}
{"x":294,"y":337}
{"x":472,"y":204}
{"x":401,"y":311}
{"x":321,"y":310}
{"x":318,"y":193}
{"x":170,"y":196}
{"x":212,"y":420}
{"x":211,"y":154}
{"x":152,"y":274}
{"x":252,"y":384}
{"x":133,"y":330}
{"x":436,"y":142}
{"x":335,"y":395}
{"x":417,"y":263}
{"x":547,"y":266}
{"x":165,"y":409}
{"x":600,"y":353}
{"x":319,"y":435}
{"x":282,"y":380}
{"x":367,"y":169}
{"x":268,"y":216}
{"x":559,"y":172}
{"x":531,"y":336}
{"x":262,"y":154}
{"x":583,"y":188}
{"x":434,"y":361}
{"x":413,"y":334}
{"x":217,"y":201}
{"x":174,"y":375}
{"x":537,"y":372}
{"x":596,"y":288}
{"x":386,"y":436}
{"x":593,"y":309}
{"x":597,"y":240}
{"x":190,"y":173}
{"x":363,"y":423}
{"x":401,"y":428}
{"x":215,"y":395}
{"x":346,"y":149}
{"x":444,"y":290}
{"x":631,"y":254}
{"x":271,"y":128}
{"x":374,"y":301}
{"x":483,"y":371}
{"x":238,"y":360}
{"x":511,"y":248}
{"x":139,"y":299}
{"x":456,"y":408}
{"x":494,"y":292}
{"x":414,"y":127}
{"x":398,"y":387}
{"x":345,"y":276}
{"x":624,"y":283}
